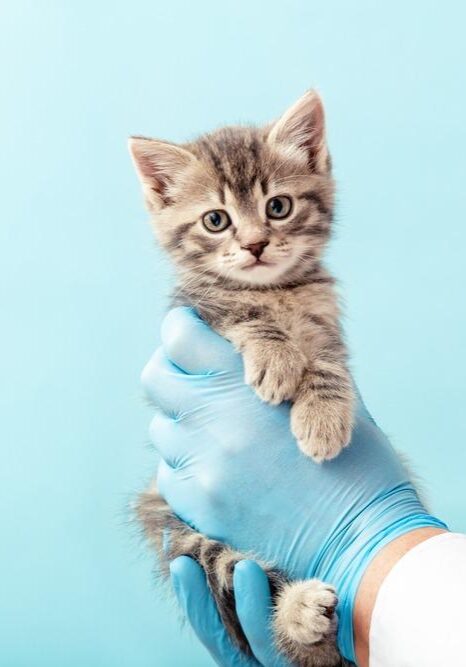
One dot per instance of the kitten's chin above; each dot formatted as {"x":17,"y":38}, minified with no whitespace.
{"x":261,"y":274}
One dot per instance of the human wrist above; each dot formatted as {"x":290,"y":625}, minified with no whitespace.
{"x":372,"y":579}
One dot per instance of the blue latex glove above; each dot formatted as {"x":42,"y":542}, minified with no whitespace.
{"x":253,"y":604}
{"x":231,"y":469}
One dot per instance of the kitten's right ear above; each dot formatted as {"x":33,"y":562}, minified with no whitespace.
{"x":158,"y":164}
{"x":301,"y":130}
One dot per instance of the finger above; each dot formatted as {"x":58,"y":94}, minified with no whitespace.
{"x":254,"y":606}
{"x":194,"y":347}
{"x":169,"y":439}
{"x":193,"y":594}
{"x":165,"y":384}
{"x":172,"y":487}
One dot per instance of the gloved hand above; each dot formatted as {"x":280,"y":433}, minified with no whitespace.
{"x":253,"y":604}
{"x":232,"y":470}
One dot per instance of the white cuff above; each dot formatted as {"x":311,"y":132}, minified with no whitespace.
{"x":419,"y":618}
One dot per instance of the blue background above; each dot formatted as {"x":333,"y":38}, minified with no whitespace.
{"x":83,"y":290}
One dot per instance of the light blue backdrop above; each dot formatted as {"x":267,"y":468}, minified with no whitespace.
{"x":83,"y":290}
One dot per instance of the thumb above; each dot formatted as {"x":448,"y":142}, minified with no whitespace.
{"x":194,"y":347}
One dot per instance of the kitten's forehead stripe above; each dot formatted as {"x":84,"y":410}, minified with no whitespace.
{"x":236,"y":155}
{"x":264,"y":186}
{"x":209,"y":153}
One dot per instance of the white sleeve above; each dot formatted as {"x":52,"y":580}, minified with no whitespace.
{"x":419,"y":618}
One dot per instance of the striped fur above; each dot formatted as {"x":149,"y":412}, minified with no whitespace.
{"x":304,"y":619}
{"x":278,"y":308}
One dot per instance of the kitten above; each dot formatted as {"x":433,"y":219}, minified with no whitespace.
{"x":245,"y":214}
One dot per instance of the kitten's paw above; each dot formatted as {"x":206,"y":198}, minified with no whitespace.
{"x":305,"y":612}
{"x":274,"y":371}
{"x":321,"y":427}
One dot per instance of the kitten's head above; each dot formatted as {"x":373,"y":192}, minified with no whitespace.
{"x":243,"y":205}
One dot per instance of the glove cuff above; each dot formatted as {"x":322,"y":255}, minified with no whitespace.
{"x":343,"y":564}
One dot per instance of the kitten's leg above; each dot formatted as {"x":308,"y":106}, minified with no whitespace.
{"x":322,"y":414}
{"x":172,"y":538}
{"x":273,"y":363}
{"x":305,"y":623}
{"x":303,"y":620}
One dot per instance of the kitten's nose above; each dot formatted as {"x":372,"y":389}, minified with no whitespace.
{"x":256,"y":249}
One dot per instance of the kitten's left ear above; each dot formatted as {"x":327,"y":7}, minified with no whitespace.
{"x":301,"y":130}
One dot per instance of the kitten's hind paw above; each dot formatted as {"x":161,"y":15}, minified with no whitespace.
{"x":305,"y":613}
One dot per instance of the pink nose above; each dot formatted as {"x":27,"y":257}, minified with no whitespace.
{"x":256,"y":249}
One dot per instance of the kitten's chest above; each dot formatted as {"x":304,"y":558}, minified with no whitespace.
{"x":294,"y":309}
{"x":287,"y":309}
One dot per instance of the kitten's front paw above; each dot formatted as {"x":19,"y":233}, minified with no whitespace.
{"x":274,"y":371}
{"x":305,"y":612}
{"x":321,"y":427}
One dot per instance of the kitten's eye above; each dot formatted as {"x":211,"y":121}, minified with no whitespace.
{"x":278,"y":207}
{"x":216,"y":221}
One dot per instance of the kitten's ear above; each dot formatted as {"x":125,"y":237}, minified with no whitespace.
{"x":158,"y":164}
{"x":302,"y":129}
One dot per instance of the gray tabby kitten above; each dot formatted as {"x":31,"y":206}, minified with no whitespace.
{"x":245,"y":214}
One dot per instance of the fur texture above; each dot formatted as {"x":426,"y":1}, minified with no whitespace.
{"x":245,"y":214}
{"x":304,"y":619}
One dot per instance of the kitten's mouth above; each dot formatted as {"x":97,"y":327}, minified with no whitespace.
{"x":256,"y":263}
